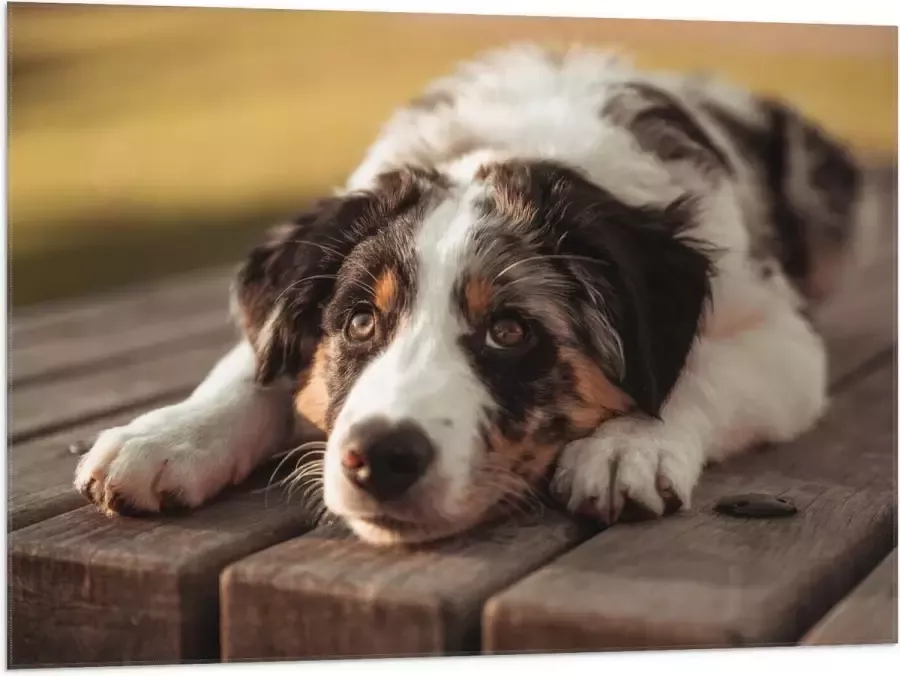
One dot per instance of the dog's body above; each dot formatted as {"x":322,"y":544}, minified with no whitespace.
{"x":545,"y":259}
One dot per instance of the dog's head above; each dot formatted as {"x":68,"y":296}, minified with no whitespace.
{"x":451,"y":338}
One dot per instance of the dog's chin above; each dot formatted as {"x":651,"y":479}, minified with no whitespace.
{"x":387,"y":531}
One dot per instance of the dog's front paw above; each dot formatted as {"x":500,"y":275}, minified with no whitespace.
{"x":163,"y":461}
{"x":628,"y":464}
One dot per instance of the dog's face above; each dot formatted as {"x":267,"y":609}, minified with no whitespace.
{"x":452,"y":338}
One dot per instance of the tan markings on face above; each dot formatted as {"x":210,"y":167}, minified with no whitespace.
{"x":479,"y":298}
{"x":386,"y":289}
{"x":525,"y":457}
{"x":311,"y":402}
{"x":599,"y":398}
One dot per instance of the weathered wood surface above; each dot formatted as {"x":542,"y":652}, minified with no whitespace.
{"x":68,"y":354}
{"x":158,"y":300}
{"x":45,"y":407}
{"x":335,"y":596}
{"x":87,"y":589}
{"x":86,"y":367}
{"x":867,"y":615}
{"x":80,"y":361}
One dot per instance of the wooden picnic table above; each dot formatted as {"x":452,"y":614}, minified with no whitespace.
{"x":250,"y":577}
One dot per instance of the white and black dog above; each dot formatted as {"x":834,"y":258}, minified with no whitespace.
{"x":548,"y":263}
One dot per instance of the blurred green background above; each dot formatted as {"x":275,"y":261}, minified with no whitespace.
{"x":146,"y":141}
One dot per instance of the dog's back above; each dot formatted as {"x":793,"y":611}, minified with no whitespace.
{"x":801,"y":193}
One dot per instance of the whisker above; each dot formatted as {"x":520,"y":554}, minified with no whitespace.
{"x":326,"y":249}
{"x":573,"y":257}
{"x":310,"y":448}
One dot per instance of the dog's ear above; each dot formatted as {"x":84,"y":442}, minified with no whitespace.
{"x":280,"y":291}
{"x":641,"y":278}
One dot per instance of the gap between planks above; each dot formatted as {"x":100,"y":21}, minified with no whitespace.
{"x":96,"y":335}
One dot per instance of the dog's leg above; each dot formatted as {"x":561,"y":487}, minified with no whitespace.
{"x":765,"y":382}
{"x":186,"y":453}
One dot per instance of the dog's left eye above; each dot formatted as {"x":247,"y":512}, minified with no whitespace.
{"x":506,"y":333}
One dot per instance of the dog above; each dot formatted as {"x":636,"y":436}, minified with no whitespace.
{"x":550,"y":265}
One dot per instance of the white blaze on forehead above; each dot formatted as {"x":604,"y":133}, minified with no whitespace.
{"x":423,"y":375}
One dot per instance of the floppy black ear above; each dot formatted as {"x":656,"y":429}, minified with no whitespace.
{"x":280,"y":288}
{"x":643,"y":277}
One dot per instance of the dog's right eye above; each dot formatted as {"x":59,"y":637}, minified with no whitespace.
{"x":507,"y":333}
{"x":361,"y":326}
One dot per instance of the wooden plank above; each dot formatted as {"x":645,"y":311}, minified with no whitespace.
{"x":94,"y":347}
{"x":326,"y":594}
{"x":705,"y":580}
{"x":87,"y":589}
{"x":42,"y":408}
{"x":867,"y":615}
{"x":41,"y":471}
{"x":103,"y":333}
{"x":49,"y":320}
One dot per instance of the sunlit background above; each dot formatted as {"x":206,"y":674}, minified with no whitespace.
{"x":148,"y":141}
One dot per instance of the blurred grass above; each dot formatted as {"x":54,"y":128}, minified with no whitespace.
{"x":146,"y":140}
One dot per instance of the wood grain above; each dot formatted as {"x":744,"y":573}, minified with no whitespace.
{"x":105,"y":333}
{"x":43,"y":408}
{"x":867,"y":615}
{"x":165,"y":297}
{"x":328,"y":595}
{"x":107,"y":346}
{"x":703,"y":580}
{"x":87,"y":589}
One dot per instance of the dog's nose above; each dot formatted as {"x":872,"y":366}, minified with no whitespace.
{"x":385,"y":459}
